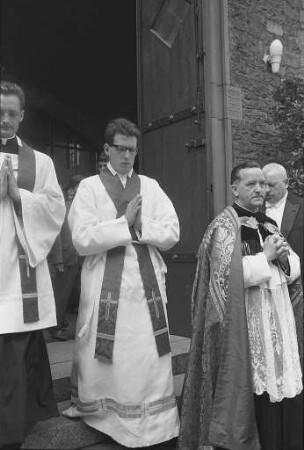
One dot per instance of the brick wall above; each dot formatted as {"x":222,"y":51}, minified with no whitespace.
{"x":252,"y":27}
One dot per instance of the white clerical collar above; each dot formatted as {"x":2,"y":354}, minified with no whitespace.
{"x":246,"y":209}
{"x":19,"y":142}
{"x":109,"y":166}
{"x":278,"y":204}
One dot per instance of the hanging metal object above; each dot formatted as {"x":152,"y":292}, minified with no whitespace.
{"x":195,"y":144}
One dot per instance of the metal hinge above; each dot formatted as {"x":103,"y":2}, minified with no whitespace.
{"x":173,"y":118}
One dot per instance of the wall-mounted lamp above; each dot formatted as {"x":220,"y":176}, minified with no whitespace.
{"x":275,"y":54}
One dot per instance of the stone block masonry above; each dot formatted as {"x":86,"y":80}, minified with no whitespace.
{"x":253,"y":25}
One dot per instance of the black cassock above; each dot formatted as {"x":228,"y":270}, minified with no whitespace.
{"x":26,"y":393}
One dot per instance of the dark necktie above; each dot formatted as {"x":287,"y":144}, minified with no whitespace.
{"x":11,"y":146}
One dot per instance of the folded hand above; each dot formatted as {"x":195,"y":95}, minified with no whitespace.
{"x":132,"y":209}
{"x":12,"y":187}
{"x":3,"y":180}
{"x":282,"y":248}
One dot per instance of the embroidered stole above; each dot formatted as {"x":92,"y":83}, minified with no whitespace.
{"x":26,"y":180}
{"x":110,"y":290}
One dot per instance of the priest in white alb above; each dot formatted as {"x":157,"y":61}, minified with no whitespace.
{"x":122,"y":374}
{"x":31,"y":213}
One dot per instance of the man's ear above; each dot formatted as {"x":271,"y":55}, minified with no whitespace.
{"x":106,"y":149}
{"x":21,"y":115}
{"x":287,"y":182}
{"x":234,"y":190}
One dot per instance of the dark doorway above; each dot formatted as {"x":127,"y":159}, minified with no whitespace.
{"x":76,"y":60}
{"x":80,"y":53}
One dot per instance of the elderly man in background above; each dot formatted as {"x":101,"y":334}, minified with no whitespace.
{"x":285,"y":208}
{"x":288,"y":211}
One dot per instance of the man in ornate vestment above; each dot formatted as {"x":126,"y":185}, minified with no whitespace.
{"x":31,"y":213}
{"x":244,"y":376}
{"x":122,"y":374}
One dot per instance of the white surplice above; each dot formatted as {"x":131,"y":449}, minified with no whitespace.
{"x":272,"y":333}
{"x":132,"y":398}
{"x":43,"y":212}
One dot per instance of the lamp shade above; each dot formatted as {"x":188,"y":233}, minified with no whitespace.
{"x":275,"y":55}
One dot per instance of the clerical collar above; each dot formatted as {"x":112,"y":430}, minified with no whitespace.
{"x":244,"y":210}
{"x":10,"y":145}
{"x":4,"y":140}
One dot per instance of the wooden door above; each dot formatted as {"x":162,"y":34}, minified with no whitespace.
{"x":171,"y":115}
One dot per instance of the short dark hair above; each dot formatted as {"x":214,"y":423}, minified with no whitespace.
{"x":120,"y":126}
{"x":9,"y":88}
{"x":235,"y":173}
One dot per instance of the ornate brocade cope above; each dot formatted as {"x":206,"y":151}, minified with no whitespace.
{"x":217,"y":405}
{"x":26,"y":180}
{"x":111,"y":284}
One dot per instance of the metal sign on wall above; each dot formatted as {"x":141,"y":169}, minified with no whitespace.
{"x":233,"y":108}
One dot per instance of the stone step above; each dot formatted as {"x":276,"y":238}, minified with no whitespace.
{"x":71,"y":434}
{"x":63,"y":433}
{"x":109,"y":444}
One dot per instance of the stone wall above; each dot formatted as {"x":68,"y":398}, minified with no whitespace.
{"x":253,"y":24}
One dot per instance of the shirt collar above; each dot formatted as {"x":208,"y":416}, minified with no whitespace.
{"x":278,"y":204}
{"x":113,"y":172}
{"x":19,"y":142}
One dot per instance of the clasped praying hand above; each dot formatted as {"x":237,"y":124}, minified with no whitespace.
{"x":276,"y":247}
{"x":8,"y":183}
{"x":133,"y":212}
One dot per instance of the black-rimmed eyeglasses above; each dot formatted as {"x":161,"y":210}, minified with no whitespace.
{"x":122,"y":149}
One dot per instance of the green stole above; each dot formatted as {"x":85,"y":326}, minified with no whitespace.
{"x":26,"y":180}
{"x":111,"y":284}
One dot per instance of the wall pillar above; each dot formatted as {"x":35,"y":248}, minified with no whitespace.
{"x":217,"y":78}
